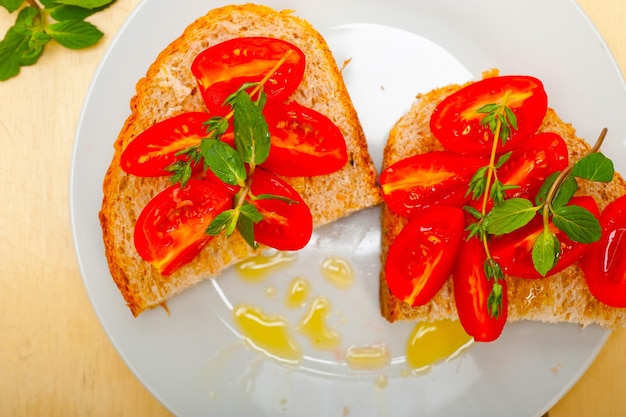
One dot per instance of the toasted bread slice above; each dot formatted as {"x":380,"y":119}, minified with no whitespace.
{"x":169,"y":89}
{"x":563,"y":297}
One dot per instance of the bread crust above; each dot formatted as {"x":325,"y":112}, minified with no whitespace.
{"x":563,"y":297}
{"x":168,"y":89}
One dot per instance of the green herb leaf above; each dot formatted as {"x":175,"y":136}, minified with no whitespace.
{"x":594,"y":167}
{"x":226,"y":222}
{"x":494,"y":301}
{"x":578,"y":223}
{"x":540,"y":198}
{"x":251,"y":212}
{"x":509,"y":216}
{"x":245,"y":226}
{"x":565,"y":192}
{"x":475,"y":213}
{"x":478,"y":183}
{"x":488,"y":108}
{"x":22,"y":44}
{"x":252,"y":138}
{"x":493,"y":270}
{"x":223,"y":161}
{"x":275,"y":197}
{"x":74,"y":34}
{"x":546,"y":251}
{"x":11,"y":5}
{"x":503,"y":159}
{"x":87,"y":4}
{"x":61,"y":12}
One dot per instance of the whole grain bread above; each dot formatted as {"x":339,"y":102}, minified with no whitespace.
{"x":563,"y":297}
{"x":169,"y":88}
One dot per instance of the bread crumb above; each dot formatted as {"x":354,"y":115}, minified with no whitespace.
{"x":555,"y":369}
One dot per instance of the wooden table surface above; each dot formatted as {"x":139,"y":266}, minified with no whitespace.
{"x":55,"y":359}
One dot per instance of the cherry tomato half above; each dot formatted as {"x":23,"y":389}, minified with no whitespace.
{"x":605,"y":265}
{"x":220,"y":70}
{"x":155,"y":148}
{"x":513,"y":251}
{"x":420,"y":258}
{"x":170,"y":231}
{"x":287,"y":225}
{"x":456,"y":122}
{"x":471,"y":294}
{"x":428,"y":179}
{"x":305,"y":143}
{"x":534,"y":160}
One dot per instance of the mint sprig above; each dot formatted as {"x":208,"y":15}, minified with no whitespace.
{"x":38,"y":23}
{"x":509,"y":215}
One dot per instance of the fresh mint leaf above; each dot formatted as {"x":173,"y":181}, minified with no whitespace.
{"x":542,"y":194}
{"x":511,"y":215}
{"x":275,"y":197}
{"x":546,"y":251}
{"x":478,"y":183}
{"x":223,"y":161}
{"x":565,"y":192}
{"x":23,"y":43}
{"x":60,"y":12}
{"x":86,"y":4}
{"x":11,"y":5}
{"x":251,"y":212}
{"x":503,"y":159}
{"x":74,"y":34}
{"x":594,"y":167}
{"x":226,"y":221}
{"x":245,"y":226}
{"x":252,"y":138}
{"x":578,"y":223}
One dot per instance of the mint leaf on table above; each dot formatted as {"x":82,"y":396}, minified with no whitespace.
{"x":11,"y":5}
{"x":74,"y":34}
{"x":86,"y":4}
{"x":24,"y":42}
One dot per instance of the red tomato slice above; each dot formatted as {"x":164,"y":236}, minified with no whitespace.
{"x":471,"y":293}
{"x":534,"y":160}
{"x":286,"y":226}
{"x":605,"y":264}
{"x":513,"y":251}
{"x":428,"y":179}
{"x":155,"y":148}
{"x":456,"y":123}
{"x":170,"y":231}
{"x":222,"y":69}
{"x":305,"y":143}
{"x":420,"y":258}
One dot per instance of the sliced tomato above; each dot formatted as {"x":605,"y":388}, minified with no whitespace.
{"x":605,"y":264}
{"x":305,"y":143}
{"x":170,"y":231}
{"x":534,"y":160}
{"x":155,"y":148}
{"x":428,"y":179}
{"x":220,"y":70}
{"x":420,"y":258}
{"x":471,"y":294}
{"x":287,"y":225}
{"x":456,"y":122}
{"x":513,"y":251}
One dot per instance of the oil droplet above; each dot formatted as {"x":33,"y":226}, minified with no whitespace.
{"x":381,"y":382}
{"x":535,"y":290}
{"x":297,"y":292}
{"x":368,"y":357}
{"x":269,"y":334}
{"x":313,"y":325}
{"x":270,"y":292}
{"x":435,"y":341}
{"x":338,"y":271}
{"x":257,"y":268}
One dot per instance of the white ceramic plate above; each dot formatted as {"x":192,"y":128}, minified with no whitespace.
{"x":194,"y":361}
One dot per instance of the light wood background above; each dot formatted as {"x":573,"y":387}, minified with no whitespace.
{"x":55,"y":359}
